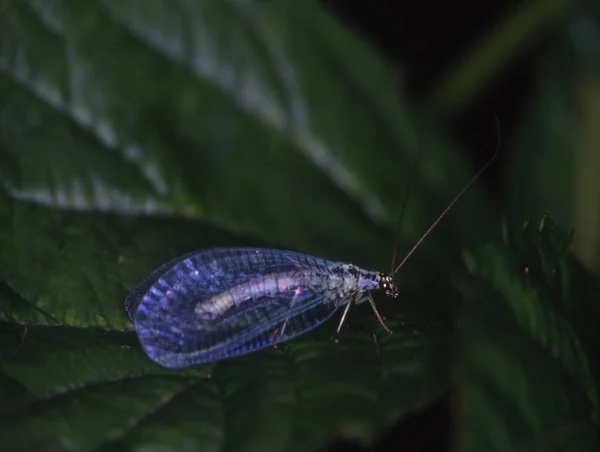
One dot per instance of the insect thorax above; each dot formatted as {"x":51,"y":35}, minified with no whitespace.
{"x":370,"y":280}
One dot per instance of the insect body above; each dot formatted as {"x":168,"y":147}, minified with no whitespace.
{"x":224,"y":302}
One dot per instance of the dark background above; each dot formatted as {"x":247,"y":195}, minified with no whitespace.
{"x":425,"y":39}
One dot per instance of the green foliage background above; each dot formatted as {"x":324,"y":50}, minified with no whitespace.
{"x":133,"y":131}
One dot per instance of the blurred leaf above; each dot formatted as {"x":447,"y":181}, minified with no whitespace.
{"x":555,"y":158}
{"x":259,"y":117}
{"x":544,"y":155}
{"x":494,"y":52}
{"x":582,"y":44}
{"x":587,"y":189}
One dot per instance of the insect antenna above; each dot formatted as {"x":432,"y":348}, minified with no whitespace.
{"x":449,"y":206}
{"x":411,"y":179}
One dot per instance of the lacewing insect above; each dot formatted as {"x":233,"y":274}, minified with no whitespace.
{"x":219,"y":303}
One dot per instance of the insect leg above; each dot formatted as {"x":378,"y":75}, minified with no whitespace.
{"x":376,"y":342}
{"x":339,"y":328}
{"x":372,"y":302}
{"x":357,"y":300}
{"x":281,"y":330}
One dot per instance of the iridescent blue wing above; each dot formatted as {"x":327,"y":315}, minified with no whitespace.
{"x":226,"y":302}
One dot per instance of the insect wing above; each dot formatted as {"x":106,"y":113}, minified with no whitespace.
{"x":287,"y":316}
{"x":225,"y":302}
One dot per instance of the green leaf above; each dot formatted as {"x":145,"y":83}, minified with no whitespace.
{"x":515,"y":395}
{"x":88,"y":388}
{"x":76,"y":268}
{"x":528,"y":372}
{"x":543,"y":253}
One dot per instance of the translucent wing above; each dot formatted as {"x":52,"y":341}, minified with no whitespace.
{"x":225,"y":302}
